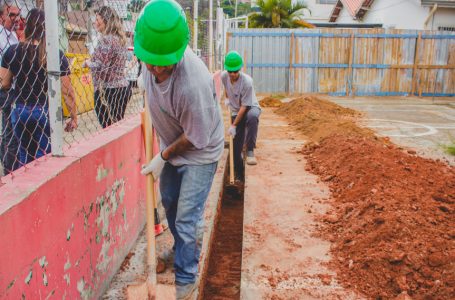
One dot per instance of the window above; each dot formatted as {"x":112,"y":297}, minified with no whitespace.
{"x":326,"y":1}
{"x":446,"y":28}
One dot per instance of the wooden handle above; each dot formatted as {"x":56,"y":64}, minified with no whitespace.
{"x":150,"y":200}
{"x":231,"y":153}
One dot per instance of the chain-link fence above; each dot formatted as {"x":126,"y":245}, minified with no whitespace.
{"x":69,"y":70}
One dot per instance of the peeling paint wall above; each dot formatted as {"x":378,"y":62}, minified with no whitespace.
{"x":67,"y":238}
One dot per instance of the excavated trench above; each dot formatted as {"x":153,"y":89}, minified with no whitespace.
{"x":224,"y":270}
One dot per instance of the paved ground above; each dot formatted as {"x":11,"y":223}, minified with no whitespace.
{"x":419,"y":123}
{"x":281,"y":257}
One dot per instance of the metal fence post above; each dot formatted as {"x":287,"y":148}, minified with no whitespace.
{"x":53,"y":72}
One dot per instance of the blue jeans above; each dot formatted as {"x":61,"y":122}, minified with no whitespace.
{"x":184,"y":191}
{"x":32,"y":130}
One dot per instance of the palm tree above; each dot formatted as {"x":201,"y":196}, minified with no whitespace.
{"x":279,"y":14}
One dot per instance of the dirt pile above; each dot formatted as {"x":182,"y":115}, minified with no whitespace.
{"x":392,"y":223}
{"x":318,"y":118}
{"x":270,"y":102}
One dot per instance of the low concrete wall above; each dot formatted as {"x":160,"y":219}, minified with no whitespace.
{"x":67,"y":223}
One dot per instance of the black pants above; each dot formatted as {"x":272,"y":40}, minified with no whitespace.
{"x":110,"y":104}
{"x":246,"y":134}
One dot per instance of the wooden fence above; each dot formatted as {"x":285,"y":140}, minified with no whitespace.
{"x":361,"y":62}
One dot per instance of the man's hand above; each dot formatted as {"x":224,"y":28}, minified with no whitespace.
{"x":232,"y":130}
{"x":155,"y":166}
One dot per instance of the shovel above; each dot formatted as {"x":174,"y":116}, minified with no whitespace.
{"x":232,"y":188}
{"x":231,"y":154}
{"x":149,"y":289}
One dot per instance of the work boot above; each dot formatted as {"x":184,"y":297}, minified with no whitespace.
{"x":250,"y":159}
{"x":186,"y":291}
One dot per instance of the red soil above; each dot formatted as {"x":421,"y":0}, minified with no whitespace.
{"x":392,"y":223}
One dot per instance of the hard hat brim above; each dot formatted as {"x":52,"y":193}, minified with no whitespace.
{"x":161,"y":60}
{"x":233,"y":68}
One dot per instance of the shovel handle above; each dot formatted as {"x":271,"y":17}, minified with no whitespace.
{"x":231,"y":152}
{"x":150,"y":200}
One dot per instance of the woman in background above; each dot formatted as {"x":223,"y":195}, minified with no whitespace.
{"x":112,"y":91}
{"x":25,"y":65}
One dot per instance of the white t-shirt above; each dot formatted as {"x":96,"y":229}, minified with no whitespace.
{"x":186,"y":103}
{"x":240,"y":93}
{"x":7,"y":39}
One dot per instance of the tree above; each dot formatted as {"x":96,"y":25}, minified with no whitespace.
{"x":228,"y":7}
{"x":136,"y":5}
{"x":279,"y":14}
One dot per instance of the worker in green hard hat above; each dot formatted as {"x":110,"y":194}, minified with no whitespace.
{"x":180,"y":95}
{"x":245,"y":110}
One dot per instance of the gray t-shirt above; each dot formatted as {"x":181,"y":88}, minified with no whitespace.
{"x":240,"y":93}
{"x":186,"y":103}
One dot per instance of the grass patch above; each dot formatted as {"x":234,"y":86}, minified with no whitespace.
{"x":450,"y":149}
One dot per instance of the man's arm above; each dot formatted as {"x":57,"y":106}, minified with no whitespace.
{"x":5,"y":78}
{"x":240,"y":115}
{"x":178,"y":147}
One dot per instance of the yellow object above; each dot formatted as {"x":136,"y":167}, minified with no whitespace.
{"x":81,"y":80}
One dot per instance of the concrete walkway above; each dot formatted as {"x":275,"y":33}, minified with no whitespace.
{"x":281,"y":258}
{"x":423,"y":124}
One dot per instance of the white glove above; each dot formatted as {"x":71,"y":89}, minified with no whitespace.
{"x":226,"y":102}
{"x":155,"y":166}
{"x":232,"y":130}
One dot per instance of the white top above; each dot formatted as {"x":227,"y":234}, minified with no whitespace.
{"x":240,"y":93}
{"x":7,"y":39}
{"x":186,"y":103}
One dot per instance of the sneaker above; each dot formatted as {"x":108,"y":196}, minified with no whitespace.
{"x":250,"y":159}
{"x":185,"y":292}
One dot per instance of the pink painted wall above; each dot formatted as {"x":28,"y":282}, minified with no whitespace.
{"x":66,"y":224}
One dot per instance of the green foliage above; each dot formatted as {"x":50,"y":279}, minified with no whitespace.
{"x":228,"y":6}
{"x":136,"y":5}
{"x":279,"y":14}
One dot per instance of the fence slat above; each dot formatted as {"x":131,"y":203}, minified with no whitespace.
{"x":380,"y":62}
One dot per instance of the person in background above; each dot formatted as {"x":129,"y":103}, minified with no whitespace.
{"x":181,"y":98}
{"x":108,"y":62}
{"x":9,"y":18}
{"x":245,"y":110}
{"x":25,"y":64}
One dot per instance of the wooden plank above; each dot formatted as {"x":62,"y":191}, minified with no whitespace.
{"x":351,"y":57}
{"x":291,"y":69}
{"x":228,"y":38}
{"x":416,"y":61}
{"x":297,"y":73}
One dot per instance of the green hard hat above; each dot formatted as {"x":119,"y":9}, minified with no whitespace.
{"x":161,"y":34}
{"x":233,"y":61}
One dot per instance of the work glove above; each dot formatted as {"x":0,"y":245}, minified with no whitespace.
{"x":232,"y":130}
{"x":155,"y":166}
{"x":226,"y":102}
